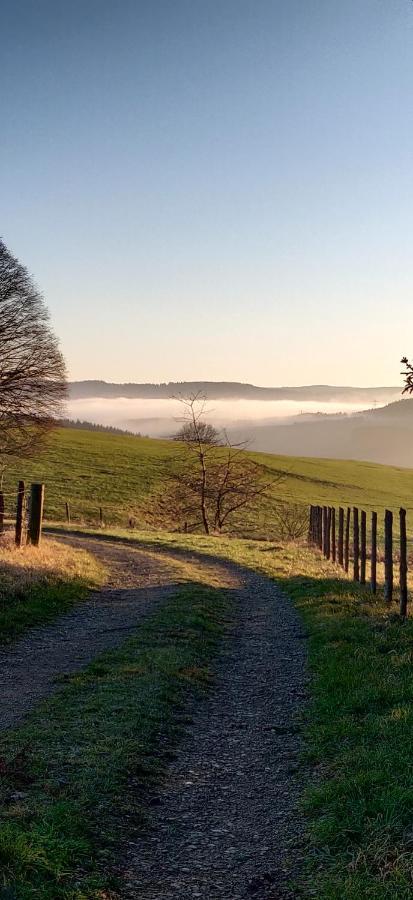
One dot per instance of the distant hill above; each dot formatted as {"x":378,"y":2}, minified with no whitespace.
{"x":381,"y":435}
{"x":401,"y":410}
{"x":224,"y":390}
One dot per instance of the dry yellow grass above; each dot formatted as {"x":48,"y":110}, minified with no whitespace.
{"x":23,"y":567}
{"x":38,"y":583}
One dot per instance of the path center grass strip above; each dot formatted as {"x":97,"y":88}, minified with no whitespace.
{"x":65,"y":775}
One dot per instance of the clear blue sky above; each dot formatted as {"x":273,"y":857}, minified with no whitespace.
{"x":214,"y":189}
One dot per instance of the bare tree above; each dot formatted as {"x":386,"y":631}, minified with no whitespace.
{"x":292,"y":521}
{"x":238,"y":481}
{"x":32,"y":369}
{"x":408,"y":375}
{"x":191,"y":433}
{"x":213,"y":478}
{"x":196,"y":437}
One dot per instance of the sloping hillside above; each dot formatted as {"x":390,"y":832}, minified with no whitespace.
{"x":383,"y":435}
{"x":126,"y":475}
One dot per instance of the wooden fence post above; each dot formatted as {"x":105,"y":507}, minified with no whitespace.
{"x":67,"y":512}
{"x":101,"y":520}
{"x":403,"y":564}
{"x":328,"y":541}
{"x":36,"y":514}
{"x":20,"y":514}
{"x":311,"y":525}
{"x":320,"y":527}
{"x":325,"y":530}
{"x":347,"y":541}
{"x":1,"y":512}
{"x":388,"y":556}
{"x":333,"y":534}
{"x":356,"y":545}
{"x":340,"y":547}
{"x":373,"y":568}
{"x":363,"y":546}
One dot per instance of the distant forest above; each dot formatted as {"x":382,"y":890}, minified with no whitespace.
{"x":224,"y":390}
{"x":91,"y":426}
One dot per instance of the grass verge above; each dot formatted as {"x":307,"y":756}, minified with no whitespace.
{"x":39,"y":583}
{"x":360,"y":723}
{"x":65,"y":775}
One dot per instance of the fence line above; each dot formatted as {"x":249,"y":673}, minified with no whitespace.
{"x":352,"y":529}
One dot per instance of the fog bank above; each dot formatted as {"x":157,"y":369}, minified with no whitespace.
{"x":160,"y":418}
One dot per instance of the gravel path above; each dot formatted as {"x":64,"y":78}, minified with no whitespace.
{"x":29,"y":668}
{"x":226,"y":824}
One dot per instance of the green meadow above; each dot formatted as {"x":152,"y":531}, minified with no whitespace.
{"x":126,"y":477}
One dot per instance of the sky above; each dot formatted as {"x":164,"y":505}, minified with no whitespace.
{"x":214,"y":189}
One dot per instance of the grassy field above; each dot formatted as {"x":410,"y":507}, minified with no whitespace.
{"x":359,"y":730}
{"x":126,"y":477}
{"x":66,"y":773}
{"x":37,"y":584}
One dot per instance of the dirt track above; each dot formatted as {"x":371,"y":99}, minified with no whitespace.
{"x":226,"y":825}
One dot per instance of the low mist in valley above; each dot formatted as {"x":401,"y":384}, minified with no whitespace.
{"x":160,"y":418}
{"x":343,"y":430}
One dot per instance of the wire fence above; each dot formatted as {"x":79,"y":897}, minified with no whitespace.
{"x":355,"y":540}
